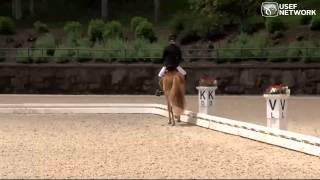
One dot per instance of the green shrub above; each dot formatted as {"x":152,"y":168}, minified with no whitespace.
{"x":115,"y":49}
{"x":191,"y":27}
{"x":304,"y":20}
{"x":258,"y":40}
{"x":252,"y":25}
{"x":122,"y":58}
{"x":180,"y":22}
{"x":188,"y":36}
{"x":275,"y":24}
{"x":47,"y":42}
{"x":73,"y":29}
{"x":295,"y":51}
{"x":71,"y":42}
{"x":254,"y":46}
{"x":7,"y":25}
{"x":242,"y":39}
{"x":62,"y":55}
{"x":143,"y":55}
{"x":137,"y":56}
{"x":228,"y":53}
{"x":294,"y":54}
{"x":138,"y":44}
{"x":231,"y":51}
{"x":99,"y":53}
{"x":40,"y":27}
{"x":84,"y":42}
{"x":138,"y":49}
{"x":95,"y":29}
{"x":215,"y":32}
{"x":39,"y":57}
{"x":196,"y":27}
{"x":78,"y":42}
{"x":145,"y":30}
{"x":115,"y":44}
{"x":309,"y":51}
{"x":144,"y":51}
{"x":315,"y":23}
{"x":113,"y":30}
{"x":313,"y":56}
{"x":22,"y":56}
{"x":156,"y":50}
{"x":245,"y":46}
{"x":277,"y":55}
{"x":203,"y":25}
{"x":277,"y":35}
{"x":135,"y":21}
{"x":235,"y":51}
{"x":84,"y":54}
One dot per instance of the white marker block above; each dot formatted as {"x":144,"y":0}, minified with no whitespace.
{"x":277,"y":105}
{"x":206,"y":98}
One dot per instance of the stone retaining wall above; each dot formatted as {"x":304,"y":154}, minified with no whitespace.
{"x":142,"y":78}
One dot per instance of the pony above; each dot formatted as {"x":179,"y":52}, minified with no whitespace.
{"x":173,"y":85}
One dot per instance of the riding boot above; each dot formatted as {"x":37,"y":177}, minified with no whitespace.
{"x":159,"y":91}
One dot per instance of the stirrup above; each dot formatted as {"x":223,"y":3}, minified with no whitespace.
{"x":158,"y":92}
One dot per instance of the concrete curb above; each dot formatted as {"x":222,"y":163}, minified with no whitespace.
{"x":286,"y":139}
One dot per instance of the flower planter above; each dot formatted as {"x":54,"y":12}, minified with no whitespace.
{"x":277,"y":104}
{"x":206,"y":96}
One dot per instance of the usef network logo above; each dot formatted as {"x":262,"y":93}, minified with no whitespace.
{"x":273,"y":9}
{"x":269,"y":9}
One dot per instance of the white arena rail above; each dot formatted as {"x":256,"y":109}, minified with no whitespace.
{"x":290,"y":140}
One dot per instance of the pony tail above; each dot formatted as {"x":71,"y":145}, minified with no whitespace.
{"x":177,"y":93}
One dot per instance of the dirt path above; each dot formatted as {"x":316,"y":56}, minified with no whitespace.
{"x":136,"y":146}
{"x":303,"y":112}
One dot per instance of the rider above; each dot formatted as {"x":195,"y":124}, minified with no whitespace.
{"x":171,"y":59}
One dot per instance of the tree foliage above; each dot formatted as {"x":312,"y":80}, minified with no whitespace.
{"x":7,"y":25}
{"x":73,"y":29}
{"x":235,"y":9}
{"x":113,"y":30}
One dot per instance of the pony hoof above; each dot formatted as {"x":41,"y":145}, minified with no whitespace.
{"x":177,"y":118}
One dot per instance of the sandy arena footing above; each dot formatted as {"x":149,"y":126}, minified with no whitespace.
{"x":303,"y":112}
{"x":136,"y":146}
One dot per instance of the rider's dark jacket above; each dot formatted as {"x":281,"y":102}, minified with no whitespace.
{"x":171,"y":57}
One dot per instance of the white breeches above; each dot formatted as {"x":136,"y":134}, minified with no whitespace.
{"x":179,"y":68}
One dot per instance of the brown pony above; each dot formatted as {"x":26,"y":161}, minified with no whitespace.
{"x":173,"y":84}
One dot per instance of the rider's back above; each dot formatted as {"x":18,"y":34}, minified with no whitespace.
{"x":172,"y":56}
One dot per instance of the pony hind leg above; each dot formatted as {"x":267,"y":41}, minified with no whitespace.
{"x":169,"y":113}
{"x":178,"y":118}
{"x":173,"y":121}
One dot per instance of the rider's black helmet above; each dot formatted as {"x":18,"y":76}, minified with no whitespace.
{"x":172,"y":37}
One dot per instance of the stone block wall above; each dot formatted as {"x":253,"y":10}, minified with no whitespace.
{"x":142,"y":78}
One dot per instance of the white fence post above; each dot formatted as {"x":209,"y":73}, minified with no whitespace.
{"x":277,"y":105}
{"x":206,"y":98}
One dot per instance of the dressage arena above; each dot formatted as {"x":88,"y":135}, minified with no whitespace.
{"x":90,"y":145}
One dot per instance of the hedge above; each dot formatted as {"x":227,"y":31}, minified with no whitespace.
{"x":95,"y":29}
{"x":40,"y":27}
{"x":7,"y":25}
{"x":113,"y":30}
